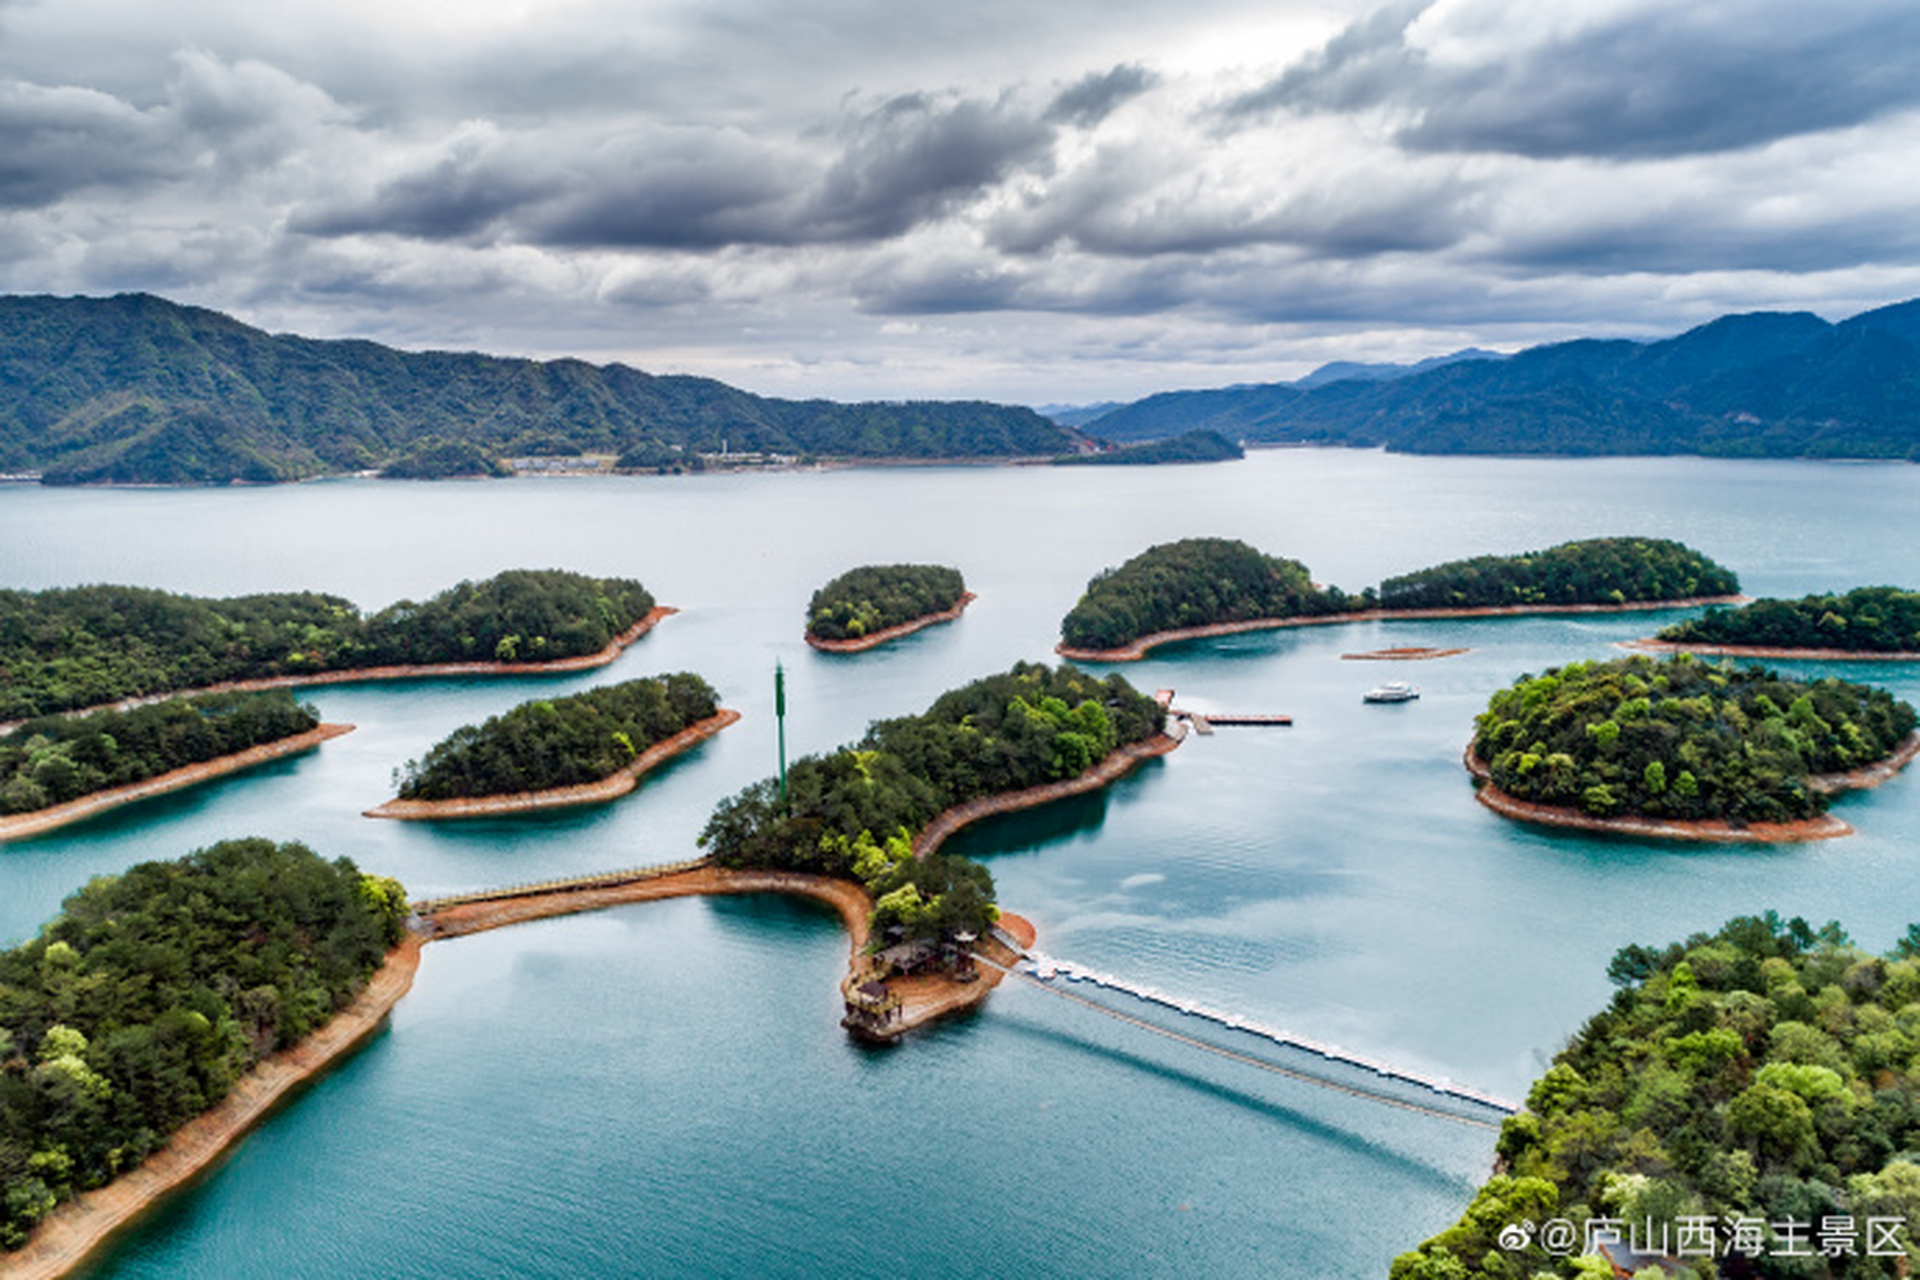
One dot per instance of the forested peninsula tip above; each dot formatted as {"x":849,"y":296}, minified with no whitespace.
{"x":1869,"y":621}
{"x":1204,"y":586}
{"x":1682,"y":741}
{"x":877,"y":602}
{"x":854,"y":813}
{"x":75,"y":647}
{"x":153,"y":992}
{"x":1755,"y":1087}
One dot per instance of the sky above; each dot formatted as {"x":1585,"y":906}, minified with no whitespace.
{"x":1061,"y":202}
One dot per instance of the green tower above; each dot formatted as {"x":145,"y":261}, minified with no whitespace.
{"x":780,"y":718}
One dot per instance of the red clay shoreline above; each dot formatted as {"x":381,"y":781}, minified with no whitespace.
{"x":611,"y":787}
{"x":894,"y":632}
{"x":20,"y":825}
{"x":1655,"y":645}
{"x":1137,"y":649}
{"x":1712,"y":831}
{"x":418,"y":671}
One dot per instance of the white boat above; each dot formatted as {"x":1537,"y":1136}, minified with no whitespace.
{"x":1391,"y":691}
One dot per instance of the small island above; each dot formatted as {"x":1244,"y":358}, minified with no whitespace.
{"x":1685,"y":749}
{"x":178,"y":998}
{"x":60,"y":769}
{"x":875,"y":603}
{"x":79,"y":647}
{"x":1762,"y":1074}
{"x":1200,"y":445}
{"x":871,"y":814}
{"x":1203,"y":587}
{"x":1876,"y":623}
{"x":585,"y":749}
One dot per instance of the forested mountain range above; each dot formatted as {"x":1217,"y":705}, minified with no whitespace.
{"x":1764,"y":384}
{"x":136,"y":389}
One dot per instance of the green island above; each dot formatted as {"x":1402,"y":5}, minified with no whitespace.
{"x":56,"y":759}
{"x":1591,"y":571}
{"x":1866,"y":620}
{"x":1209,"y":586}
{"x":1195,"y":582}
{"x":1763,"y":1074}
{"x":1202,"y":445}
{"x":559,"y":742}
{"x":1682,"y":739}
{"x":854,"y":814}
{"x":873,"y":598}
{"x":76,"y":647}
{"x":153,"y":992}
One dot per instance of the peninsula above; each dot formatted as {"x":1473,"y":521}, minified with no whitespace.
{"x":1685,"y":749}
{"x":1762,"y":1073}
{"x":61,"y":769}
{"x":1205,"y":587}
{"x":870,"y":605}
{"x":588,"y":748}
{"x":79,"y":647}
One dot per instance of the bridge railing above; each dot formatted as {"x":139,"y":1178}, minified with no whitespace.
{"x":535,"y":888}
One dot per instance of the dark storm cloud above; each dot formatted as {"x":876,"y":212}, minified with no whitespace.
{"x":1096,"y":97}
{"x":1666,"y":80}
{"x":896,"y":165}
{"x":57,"y":141}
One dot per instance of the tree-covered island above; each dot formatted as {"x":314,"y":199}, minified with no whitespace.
{"x":1192,"y":446}
{"x":853,"y":814}
{"x":144,"y":1002}
{"x":1592,"y":571}
{"x":1681,"y":740}
{"x":1866,"y":620}
{"x":1209,"y":586}
{"x":56,"y":759}
{"x":1753,"y":1094}
{"x":88,"y":646}
{"x":863,"y":603}
{"x":560,"y":742}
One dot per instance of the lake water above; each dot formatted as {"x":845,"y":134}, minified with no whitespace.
{"x":663,"y":1089}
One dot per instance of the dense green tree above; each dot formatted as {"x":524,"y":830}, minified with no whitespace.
{"x":872,"y":597}
{"x":1593,"y":571}
{"x":1682,"y":738}
{"x":1191,"y":583}
{"x":1700,"y":1093}
{"x":87,"y":646}
{"x":55,"y":759}
{"x":559,"y":742}
{"x":853,"y":813}
{"x":143,"y":1002}
{"x":1864,"y":620}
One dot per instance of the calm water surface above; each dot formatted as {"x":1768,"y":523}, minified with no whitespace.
{"x":663,"y":1089}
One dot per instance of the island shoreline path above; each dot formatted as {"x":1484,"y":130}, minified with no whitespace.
{"x":1711,"y":831}
{"x":894,"y":632}
{"x":1136,"y":650}
{"x":1656,"y":645}
{"x":65,"y":1239}
{"x":611,"y":787}
{"x":21,"y":825}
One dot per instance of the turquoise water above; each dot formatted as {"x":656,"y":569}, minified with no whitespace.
{"x":663,"y":1089}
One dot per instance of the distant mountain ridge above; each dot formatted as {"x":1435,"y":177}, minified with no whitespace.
{"x":1762,"y":384}
{"x":137,"y":389}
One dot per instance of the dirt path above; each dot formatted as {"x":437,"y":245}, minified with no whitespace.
{"x":1137,"y":649}
{"x":63,"y":1240}
{"x":894,"y":632}
{"x":1715,"y":831}
{"x":611,"y":787}
{"x":20,"y":825}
